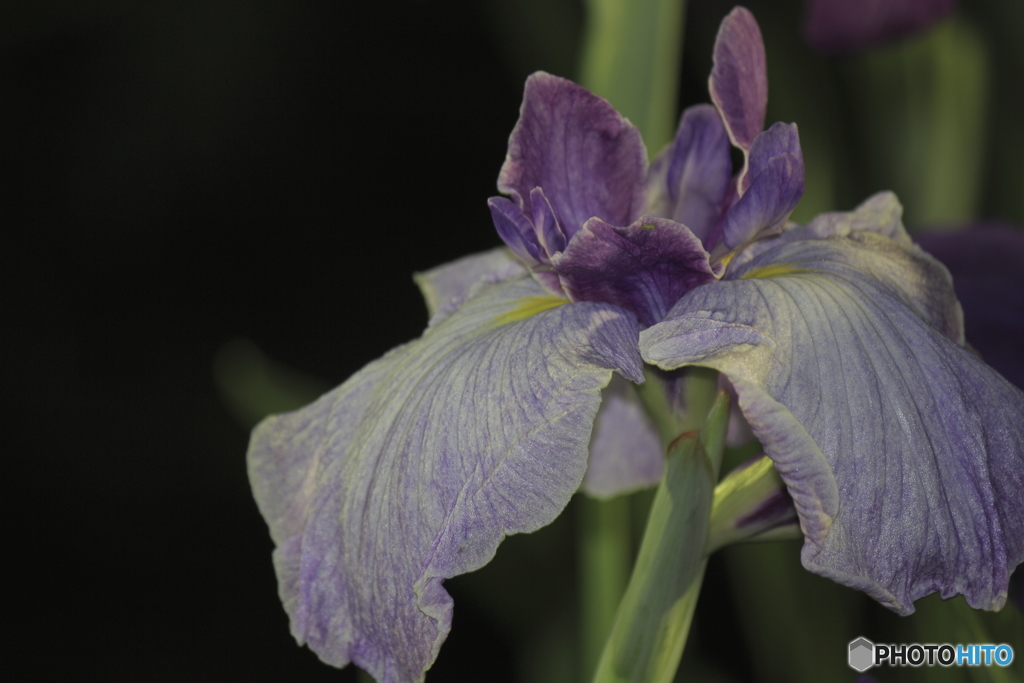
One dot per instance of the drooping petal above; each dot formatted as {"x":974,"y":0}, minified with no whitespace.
{"x":903,"y":452}
{"x":881,"y":214}
{"x":416,"y":468}
{"x":445,"y":286}
{"x":987,"y":264}
{"x":739,"y":77}
{"x":643,"y":268}
{"x":689,"y":180}
{"x":927,"y":288}
{"x":774,"y":185}
{"x":626,"y":452}
{"x":589,"y":160}
{"x":835,"y":26}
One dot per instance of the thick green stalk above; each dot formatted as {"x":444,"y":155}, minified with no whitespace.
{"x":606,"y":534}
{"x":632,"y":54}
{"x":654,"y":618}
{"x":924,"y":101}
{"x":604,"y":554}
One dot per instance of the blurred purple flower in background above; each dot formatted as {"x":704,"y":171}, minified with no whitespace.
{"x":987,"y":264}
{"x":836,"y":26}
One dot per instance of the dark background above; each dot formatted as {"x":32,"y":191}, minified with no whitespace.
{"x":179,"y":175}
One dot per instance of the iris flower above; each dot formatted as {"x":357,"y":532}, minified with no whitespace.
{"x":902,"y":451}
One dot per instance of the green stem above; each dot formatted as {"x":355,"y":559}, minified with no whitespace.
{"x":632,"y":57}
{"x":632,"y":54}
{"x":604,"y":556}
{"x":924,"y":100}
{"x":653,"y":620}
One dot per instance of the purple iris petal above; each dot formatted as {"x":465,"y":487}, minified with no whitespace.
{"x":903,"y":452}
{"x":782,"y":139}
{"x":643,"y":268}
{"x":689,"y":180}
{"x":444,"y":287}
{"x":880,"y":213}
{"x":588,"y":159}
{"x":626,"y":452}
{"x":414,"y":470}
{"x":774,"y":184}
{"x":987,"y":264}
{"x":929,"y":293}
{"x":833,"y":26}
{"x":515,"y":230}
{"x":545,"y":225}
{"x":739,"y":78}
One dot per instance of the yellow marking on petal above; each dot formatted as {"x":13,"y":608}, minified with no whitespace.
{"x":527,"y":308}
{"x":725,"y":259}
{"x":775,"y":270}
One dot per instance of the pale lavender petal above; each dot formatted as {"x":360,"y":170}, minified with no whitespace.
{"x":589,"y":160}
{"x":881,"y":214}
{"x":739,"y":432}
{"x":739,"y":77}
{"x":987,"y":264}
{"x":689,"y":180}
{"x":515,"y":230}
{"x":626,"y":452}
{"x":834,"y":26}
{"x":448,"y":284}
{"x":775,"y":183}
{"x":644,"y":268}
{"x":930,"y":293}
{"x":903,"y":452}
{"x":415,"y":469}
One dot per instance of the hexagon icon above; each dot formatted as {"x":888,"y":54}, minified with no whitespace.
{"x":862,"y":654}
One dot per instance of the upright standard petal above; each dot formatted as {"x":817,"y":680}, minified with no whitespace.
{"x":415,"y":469}
{"x":903,"y":452}
{"x":773,"y":185}
{"x":689,"y":180}
{"x":835,"y":26}
{"x":589,"y":160}
{"x":515,"y":230}
{"x":643,"y":268}
{"x":739,"y":77}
